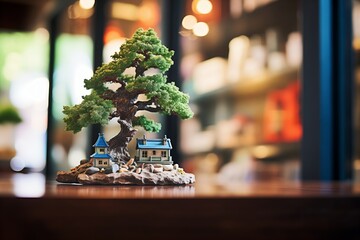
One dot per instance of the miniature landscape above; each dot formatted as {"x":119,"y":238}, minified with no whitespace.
{"x":101,"y":168}
{"x":133,"y":82}
{"x":128,"y":174}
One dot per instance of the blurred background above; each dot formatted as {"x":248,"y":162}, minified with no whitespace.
{"x":244,"y":64}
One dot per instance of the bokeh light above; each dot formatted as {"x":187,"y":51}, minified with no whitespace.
{"x":203,"y":6}
{"x":87,"y":4}
{"x":201,"y":29}
{"x":189,"y":22}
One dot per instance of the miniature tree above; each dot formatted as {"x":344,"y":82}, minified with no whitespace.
{"x":142,"y":52}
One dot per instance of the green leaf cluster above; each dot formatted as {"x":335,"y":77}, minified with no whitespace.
{"x":93,"y":109}
{"x":148,"y":124}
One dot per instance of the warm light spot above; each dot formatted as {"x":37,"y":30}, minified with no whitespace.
{"x":356,"y":43}
{"x":189,"y":22}
{"x":263,"y":151}
{"x":201,"y":29}
{"x":149,"y":14}
{"x":75,"y":11}
{"x":111,"y":47}
{"x":112,"y":33}
{"x":87,"y":4}
{"x":125,"y":11}
{"x":204,"y":6}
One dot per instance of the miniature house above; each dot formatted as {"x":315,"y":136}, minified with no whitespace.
{"x":101,"y":157}
{"x":153,"y":150}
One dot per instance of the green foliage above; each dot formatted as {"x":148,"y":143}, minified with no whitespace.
{"x":93,"y":109}
{"x":172,"y":100}
{"x":142,"y":52}
{"x":148,"y":124}
{"x":9,"y":114}
{"x":147,"y":84}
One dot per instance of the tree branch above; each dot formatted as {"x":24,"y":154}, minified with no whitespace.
{"x":147,"y":106}
{"x":109,"y":95}
{"x":142,"y":104}
{"x":123,"y":84}
{"x":110,"y":79}
{"x":113,"y":115}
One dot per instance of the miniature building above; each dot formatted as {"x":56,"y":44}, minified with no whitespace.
{"x":101,"y":157}
{"x":153,"y":150}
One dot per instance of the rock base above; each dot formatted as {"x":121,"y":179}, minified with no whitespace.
{"x":127,"y":174}
{"x":133,"y":178}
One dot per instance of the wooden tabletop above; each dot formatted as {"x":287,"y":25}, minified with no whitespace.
{"x":35,"y":186}
{"x":33,"y":208}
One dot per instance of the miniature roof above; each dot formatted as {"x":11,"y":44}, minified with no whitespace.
{"x":153,"y":144}
{"x":101,"y":142}
{"x":100,"y":155}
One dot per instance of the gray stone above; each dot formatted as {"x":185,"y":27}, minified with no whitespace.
{"x":92,"y":170}
{"x":108,"y":170}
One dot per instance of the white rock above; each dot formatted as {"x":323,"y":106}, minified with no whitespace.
{"x":158,"y":170}
{"x":168,"y":167}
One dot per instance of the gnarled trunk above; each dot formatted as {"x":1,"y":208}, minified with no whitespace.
{"x":119,"y":144}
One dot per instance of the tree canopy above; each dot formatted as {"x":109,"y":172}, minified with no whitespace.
{"x":150,"y":60}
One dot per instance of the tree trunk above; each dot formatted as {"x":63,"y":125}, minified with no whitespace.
{"x":119,"y":144}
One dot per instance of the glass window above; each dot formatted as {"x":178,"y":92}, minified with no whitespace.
{"x":101,"y":150}
{"x":100,"y":162}
{"x":154,"y":152}
{"x":144,"y":154}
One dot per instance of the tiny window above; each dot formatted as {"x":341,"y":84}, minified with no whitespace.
{"x":105,"y":162}
{"x":154,"y":152}
{"x":163,"y":153}
{"x":144,"y":154}
{"x":100,"y":162}
{"x":101,"y":150}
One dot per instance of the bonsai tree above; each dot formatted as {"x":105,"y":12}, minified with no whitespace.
{"x":144,"y":51}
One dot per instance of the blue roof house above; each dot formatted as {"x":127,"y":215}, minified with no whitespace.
{"x":101,"y":157}
{"x":153,"y":151}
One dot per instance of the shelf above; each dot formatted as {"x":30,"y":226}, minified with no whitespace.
{"x":257,"y":22}
{"x":252,"y":86}
{"x":260,"y":151}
